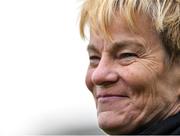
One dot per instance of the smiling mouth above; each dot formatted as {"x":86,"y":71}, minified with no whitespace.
{"x":107,"y":98}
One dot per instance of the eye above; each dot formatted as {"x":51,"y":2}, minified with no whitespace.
{"x":127,"y":55}
{"x":127,"y":58}
{"x":94,"y":60}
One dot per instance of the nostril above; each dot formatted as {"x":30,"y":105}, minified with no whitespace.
{"x":107,"y":84}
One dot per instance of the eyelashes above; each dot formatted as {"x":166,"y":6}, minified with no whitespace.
{"x":127,"y":55}
{"x":122,"y":58}
{"x":94,"y":60}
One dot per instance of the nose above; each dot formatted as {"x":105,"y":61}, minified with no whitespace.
{"x":105,"y":73}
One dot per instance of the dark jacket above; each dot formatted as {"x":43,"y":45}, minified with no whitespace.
{"x":169,"y":126}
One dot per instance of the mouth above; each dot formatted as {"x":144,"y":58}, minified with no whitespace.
{"x":106,"y":98}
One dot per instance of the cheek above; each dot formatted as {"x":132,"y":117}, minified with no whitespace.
{"x":88,"y":80}
{"x":139,"y":75}
{"x":142,"y":82}
{"x":135,"y":77}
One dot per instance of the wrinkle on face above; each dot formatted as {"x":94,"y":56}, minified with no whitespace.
{"x":152,"y":92}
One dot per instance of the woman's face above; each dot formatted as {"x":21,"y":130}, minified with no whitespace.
{"x":127,"y":76}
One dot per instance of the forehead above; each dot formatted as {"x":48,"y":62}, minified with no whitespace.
{"x":145,"y":32}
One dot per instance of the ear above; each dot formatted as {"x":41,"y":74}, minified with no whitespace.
{"x":176,"y":75}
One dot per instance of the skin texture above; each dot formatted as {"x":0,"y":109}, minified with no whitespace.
{"x":129,"y":77}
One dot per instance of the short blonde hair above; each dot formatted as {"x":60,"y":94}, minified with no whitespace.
{"x":164,"y":13}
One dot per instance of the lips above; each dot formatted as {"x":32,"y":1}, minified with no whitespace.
{"x":110,"y":97}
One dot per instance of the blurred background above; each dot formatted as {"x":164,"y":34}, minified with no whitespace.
{"x":43,"y":64}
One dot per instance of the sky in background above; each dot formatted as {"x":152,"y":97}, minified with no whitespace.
{"x":43,"y":63}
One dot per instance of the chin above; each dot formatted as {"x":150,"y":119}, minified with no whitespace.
{"x":114,"y":123}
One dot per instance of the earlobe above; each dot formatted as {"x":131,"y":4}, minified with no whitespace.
{"x":179,"y":94}
{"x":173,"y":78}
{"x":176,"y":75}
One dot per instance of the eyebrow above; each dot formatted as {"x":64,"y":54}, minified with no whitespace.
{"x":92,"y":48}
{"x":120,"y":45}
{"x":126,"y":44}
